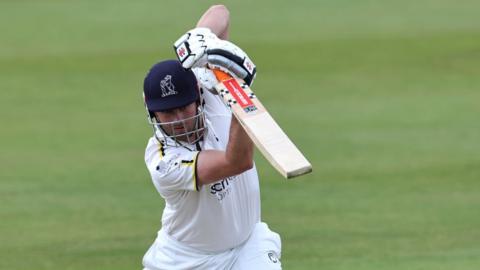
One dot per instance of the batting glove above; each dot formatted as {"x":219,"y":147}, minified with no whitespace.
{"x":190,"y":48}
{"x":230,"y":58}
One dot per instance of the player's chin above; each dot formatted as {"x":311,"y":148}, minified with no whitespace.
{"x":186,"y":138}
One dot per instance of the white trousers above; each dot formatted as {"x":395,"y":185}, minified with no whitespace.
{"x":262,"y":250}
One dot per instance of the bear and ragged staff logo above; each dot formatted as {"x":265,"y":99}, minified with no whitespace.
{"x":167,"y":86}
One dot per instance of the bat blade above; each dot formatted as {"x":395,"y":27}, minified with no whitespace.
{"x":264,"y":131}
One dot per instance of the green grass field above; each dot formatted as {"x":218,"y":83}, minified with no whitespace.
{"x":382,"y":96}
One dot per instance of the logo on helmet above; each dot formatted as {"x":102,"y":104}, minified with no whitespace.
{"x":167,"y":86}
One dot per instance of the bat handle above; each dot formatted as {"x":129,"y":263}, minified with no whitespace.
{"x":221,"y":76}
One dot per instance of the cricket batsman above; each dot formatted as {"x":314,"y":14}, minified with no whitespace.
{"x":201,"y":160}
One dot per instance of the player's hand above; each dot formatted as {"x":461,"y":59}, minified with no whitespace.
{"x":230,"y":58}
{"x":191,"y":47}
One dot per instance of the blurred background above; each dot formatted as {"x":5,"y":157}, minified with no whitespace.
{"x":382,"y":96}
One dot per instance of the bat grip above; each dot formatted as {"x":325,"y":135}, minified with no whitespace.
{"x":221,"y":76}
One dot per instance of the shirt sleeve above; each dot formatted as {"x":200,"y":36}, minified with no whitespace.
{"x":172,"y":169}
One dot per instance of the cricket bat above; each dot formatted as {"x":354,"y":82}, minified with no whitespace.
{"x":267,"y":135}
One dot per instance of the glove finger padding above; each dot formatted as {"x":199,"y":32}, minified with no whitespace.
{"x":190,"y":48}
{"x":228,"y":57}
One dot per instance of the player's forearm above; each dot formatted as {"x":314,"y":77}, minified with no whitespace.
{"x":217,"y":19}
{"x":239,"y":152}
{"x":213,"y":165}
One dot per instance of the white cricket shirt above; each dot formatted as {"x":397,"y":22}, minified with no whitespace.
{"x":217,"y":216}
